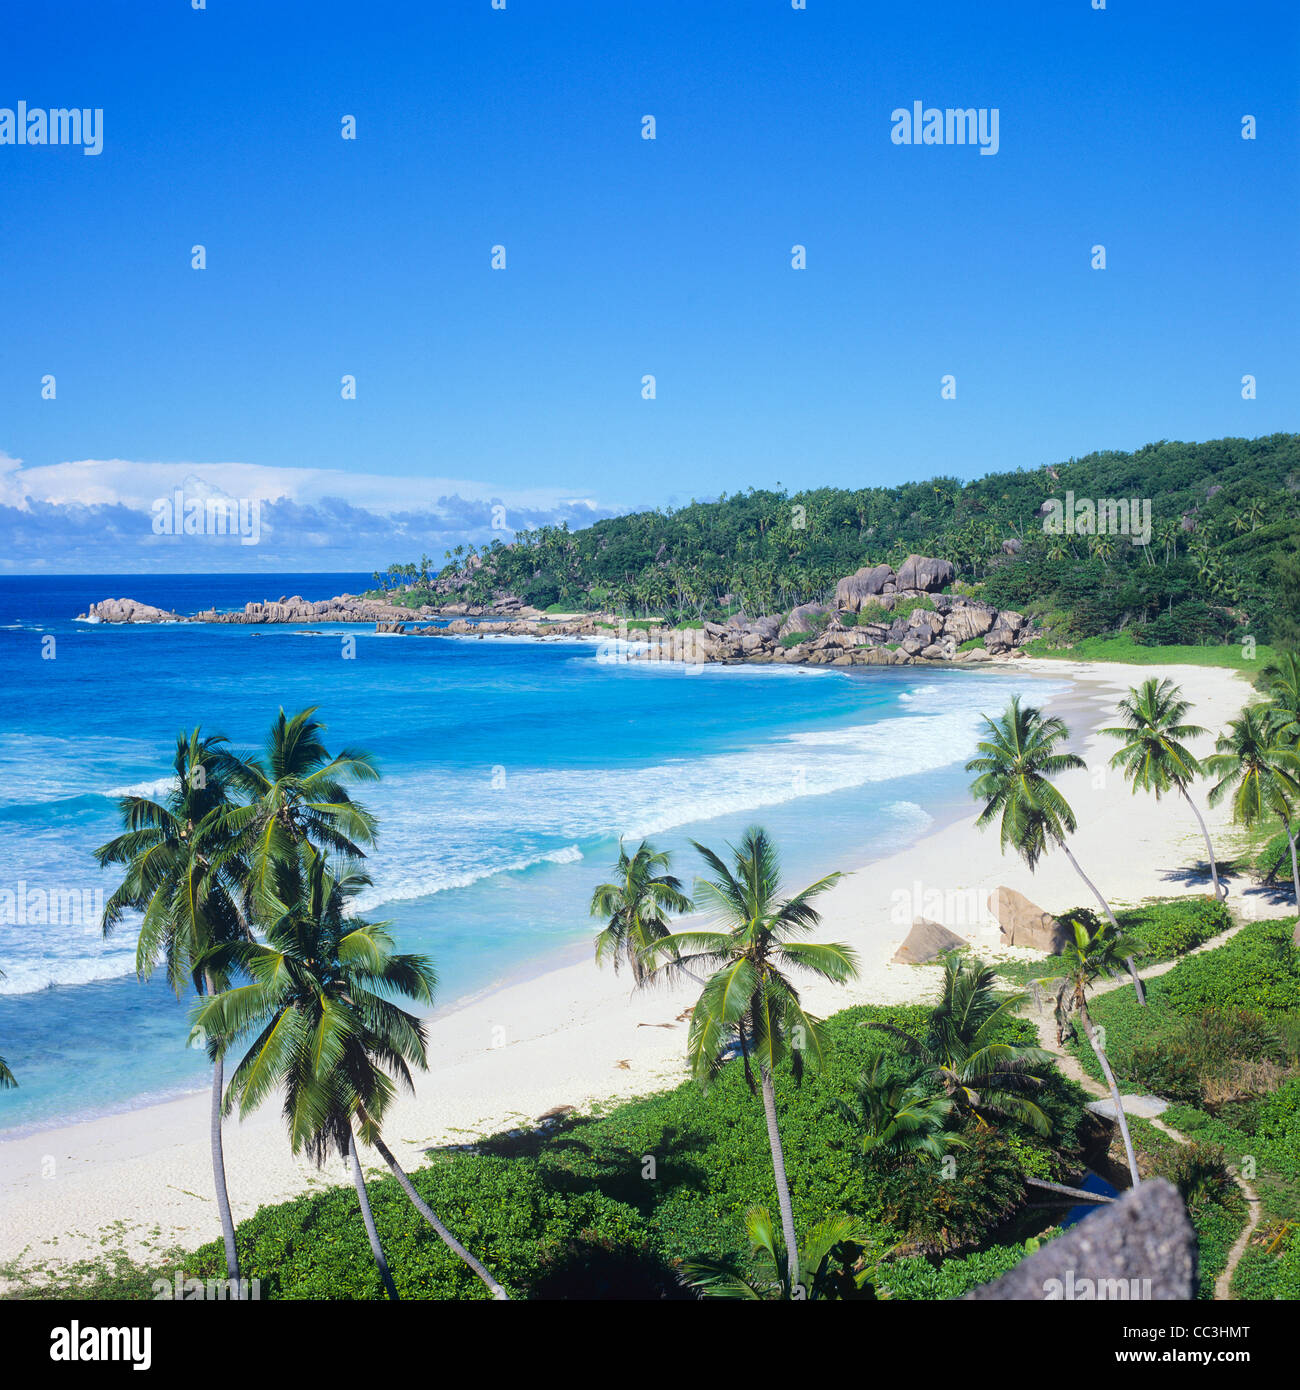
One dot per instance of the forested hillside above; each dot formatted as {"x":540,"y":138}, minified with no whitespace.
{"x":1221,"y":561}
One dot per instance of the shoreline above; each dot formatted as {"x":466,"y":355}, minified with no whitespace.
{"x":566,"y":1033}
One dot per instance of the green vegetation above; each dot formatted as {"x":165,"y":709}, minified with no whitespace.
{"x":574,"y":1209}
{"x":1159,"y":930}
{"x":1123,"y":648}
{"x":1257,"y":969}
{"x":1220,"y":1039}
{"x":1222,"y":562}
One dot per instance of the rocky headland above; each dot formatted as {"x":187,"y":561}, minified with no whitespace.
{"x":878,"y":617}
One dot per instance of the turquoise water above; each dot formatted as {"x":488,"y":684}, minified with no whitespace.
{"x":510,"y":769}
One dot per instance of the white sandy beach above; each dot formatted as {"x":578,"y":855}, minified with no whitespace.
{"x":142,"y":1181}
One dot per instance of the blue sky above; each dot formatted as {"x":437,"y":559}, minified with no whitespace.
{"x":522,"y":127}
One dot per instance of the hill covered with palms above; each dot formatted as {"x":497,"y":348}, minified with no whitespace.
{"x":1221,"y":561}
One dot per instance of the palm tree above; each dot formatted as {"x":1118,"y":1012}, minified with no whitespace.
{"x":1087,"y":959}
{"x":1282,"y":685}
{"x":1261,"y":771}
{"x":634,"y":906}
{"x":297,"y":795}
{"x":832,"y":1252}
{"x":7,"y":1081}
{"x":747,"y":1000}
{"x":325,"y":1031}
{"x":1153,"y":755}
{"x":981,"y":1076}
{"x":899,"y":1116}
{"x":184,"y":876}
{"x":1014,"y":765}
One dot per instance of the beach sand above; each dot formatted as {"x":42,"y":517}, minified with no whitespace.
{"x":141,"y":1182}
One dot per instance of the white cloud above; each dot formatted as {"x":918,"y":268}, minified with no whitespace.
{"x":125,"y":482}
{"x":92,"y":515}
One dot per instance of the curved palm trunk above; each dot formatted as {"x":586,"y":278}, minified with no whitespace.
{"x":778,"y":1172}
{"x":1110,"y":917}
{"x":1219,"y":892}
{"x":219,"y":1172}
{"x":448,"y":1239}
{"x":219,"y":1180}
{"x":1292,"y":833}
{"x":1120,"y":1117}
{"x":377,"y":1250}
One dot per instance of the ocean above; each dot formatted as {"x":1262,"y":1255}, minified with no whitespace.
{"x":510,"y":769}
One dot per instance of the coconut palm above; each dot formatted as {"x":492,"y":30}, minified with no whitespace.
{"x":982,"y":1076}
{"x":1259,"y":769}
{"x":747,"y":1001}
{"x":324,"y":1030}
{"x":830,"y":1269}
{"x":897,"y":1116}
{"x":1015,"y":762}
{"x":7,"y":1081}
{"x":635,"y":905}
{"x":185,"y":877}
{"x":297,"y":794}
{"x":1085,"y":960}
{"x":1282,"y":685}
{"x":1154,"y":755}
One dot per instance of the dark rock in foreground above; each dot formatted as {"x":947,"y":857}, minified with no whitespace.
{"x":1142,"y":1248}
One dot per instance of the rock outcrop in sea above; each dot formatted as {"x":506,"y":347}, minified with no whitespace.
{"x":879,"y":617}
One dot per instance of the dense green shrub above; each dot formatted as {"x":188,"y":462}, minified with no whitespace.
{"x":1270,"y":1266}
{"x":916,"y":1277}
{"x":1265,"y":1129}
{"x":938,"y":1212}
{"x":1258,"y":969}
{"x":526,"y":1231}
{"x":1200,"y":1173}
{"x":1169,"y":929}
{"x":1209,"y":1058}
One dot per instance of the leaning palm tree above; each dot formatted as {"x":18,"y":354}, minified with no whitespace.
{"x":830,"y":1269}
{"x":7,"y":1081}
{"x":634,"y":907}
{"x":1085,"y":960}
{"x":1154,"y":755}
{"x":324,"y":1030}
{"x":185,"y":877}
{"x":747,"y":1001}
{"x":1015,"y":762}
{"x":982,"y":1076}
{"x":899,"y":1115}
{"x":297,"y":795}
{"x":1260,"y":770}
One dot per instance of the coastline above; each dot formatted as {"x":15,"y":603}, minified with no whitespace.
{"x":140,"y":1181}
